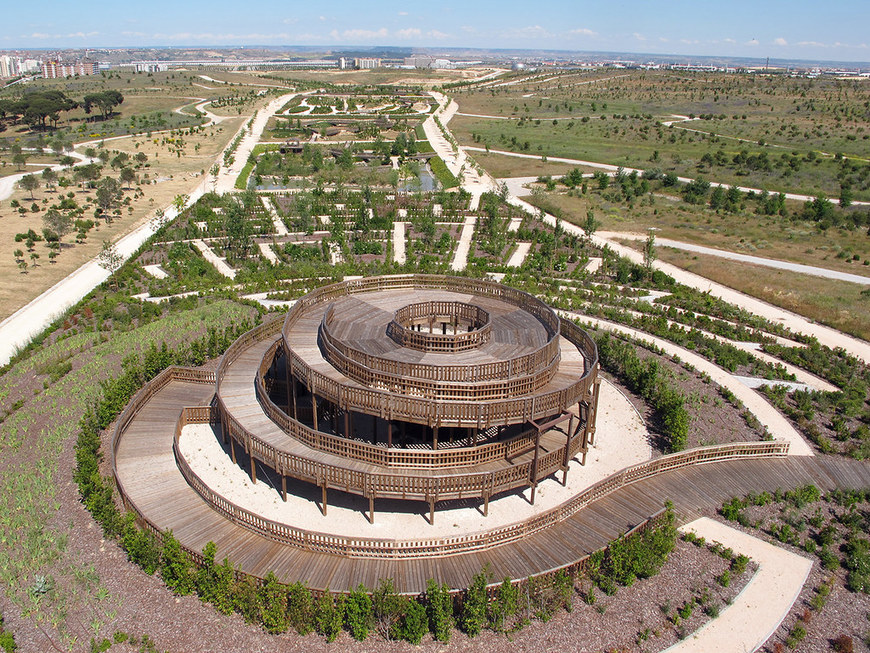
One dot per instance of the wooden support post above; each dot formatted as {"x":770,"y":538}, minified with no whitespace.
{"x":389,"y":433}
{"x":472,"y":432}
{"x":431,"y":511}
{"x":223,"y":429}
{"x":486,"y":505}
{"x":323,"y":498}
{"x":534,"y":470}
{"x":314,"y":409}
{"x":434,"y":438}
{"x":347,"y":423}
{"x":374,"y":429}
{"x":290,"y":391}
{"x":404,"y":434}
{"x":294,"y":395}
{"x":565,"y":461}
{"x":253,"y":468}
{"x":284,"y":487}
{"x":371,"y":508}
{"x":233,"y":450}
{"x":594,"y":412}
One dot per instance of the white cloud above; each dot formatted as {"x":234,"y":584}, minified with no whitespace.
{"x":780,"y":41}
{"x":403,"y":13}
{"x":409,"y":33}
{"x":529,"y":32}
{"x":435,"y":34}
{"x":290,"y":21}
{"x":469,"y":29}
{"x":583,"y":31}
{"x":729,"y":41}
{"x":690,"y":41}
{"x":664,"y":39}
{"x":360,"y":34}
{"x":72,"y":35}
{"x":812,"y":44}
{"x":751,"y":42}
{"x":639,"y":36}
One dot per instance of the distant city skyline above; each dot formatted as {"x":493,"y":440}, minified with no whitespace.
{"x":793,"y":29}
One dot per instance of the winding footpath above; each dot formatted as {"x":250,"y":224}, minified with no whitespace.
{"x":811,"y":270}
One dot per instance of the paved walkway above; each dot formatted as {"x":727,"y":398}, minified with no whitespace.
{"x":769,"y":416}
{"x":460,"y":258}
{"x":762,"y":605}
{"x":743,"y":258}
{"x":613,"y":168}
{"x":219,"y":264}
{"x":519,"y":255}
{"x":399,"y":242}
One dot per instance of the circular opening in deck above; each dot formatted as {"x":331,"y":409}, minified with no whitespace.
{"x":440,"y":326}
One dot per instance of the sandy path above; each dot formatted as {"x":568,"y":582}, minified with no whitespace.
{"x":219,"y":264}
{"x":277,"y":222}
{"x":399,"y":242}
{"x":776,"y":424}
{"x":762,"y":605}
{"x":621,"y":440}
{"x":519,"y":255}
{"x":744,"y":258}
{"x":460,"y":258}
{"x":612,"y":168}
{"x":268,"y":253}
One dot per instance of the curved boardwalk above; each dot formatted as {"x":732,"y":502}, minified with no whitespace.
{"x":152,"y":482}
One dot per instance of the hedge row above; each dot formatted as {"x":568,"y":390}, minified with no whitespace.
{"x":441,"y":172}
{"x":647,"y":378}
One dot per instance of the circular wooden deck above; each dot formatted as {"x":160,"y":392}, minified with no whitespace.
{"x":154,"y":487}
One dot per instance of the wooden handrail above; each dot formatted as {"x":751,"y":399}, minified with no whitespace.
{"x":362,"y":547}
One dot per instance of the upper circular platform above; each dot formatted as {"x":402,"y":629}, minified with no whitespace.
{"x":437,"y":350}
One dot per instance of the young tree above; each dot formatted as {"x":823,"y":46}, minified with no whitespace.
{"x":649,"y":250}
{"x":29,"y":183}
{"x":127,"y":176}
{"x":110,"y":260}
{"x":49,"y":176}
{"x":57,"y":222}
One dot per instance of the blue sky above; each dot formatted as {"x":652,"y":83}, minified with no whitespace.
{"x":795,"y":29}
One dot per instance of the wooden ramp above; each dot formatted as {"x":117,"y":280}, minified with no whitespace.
{"x":153,"y":486}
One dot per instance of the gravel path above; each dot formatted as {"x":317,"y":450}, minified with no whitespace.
{"x":612,"y":168}
{"x":460,"y":258}
{"x":743,"y":258}
{"x":621,"y":440}
{"x":769,"y":416}
{"x":762,"y":605}
{"x":219,"y":264}
{"x":399,"y":242}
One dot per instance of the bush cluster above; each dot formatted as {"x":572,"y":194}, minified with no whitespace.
{"x":647,"y":378}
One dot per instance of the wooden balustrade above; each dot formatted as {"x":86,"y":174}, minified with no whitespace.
{"x":362,"y":547}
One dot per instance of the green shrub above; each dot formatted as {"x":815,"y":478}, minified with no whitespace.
{"x":176,"y":568}
{"x":246,"y":599}
{"x":503,"y":606}
{"x":387,"y":607}
{"x":300,"y":608}
{"x":273,"y":605}
{"x":473,"y":616}
{"x":858,"y":564}
{"x":328,"y":616}
{"x":358,"y":613}
{"x":141,"y":546}
{"x":214,"y":582}
{"x":439,"y":610}
{"x":413,"y":624}
{"x":7,"y":640}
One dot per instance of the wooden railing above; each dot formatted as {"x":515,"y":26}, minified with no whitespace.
{"x":471,"y":410}
{"x":434,"y":487}
{"x":463,"y":373}
{"x":479,"y":326}
{"x":361,"y":547}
